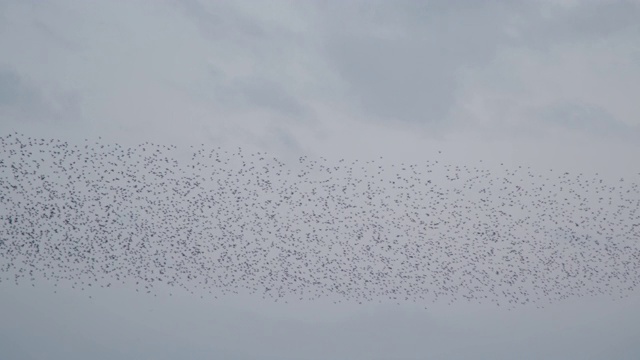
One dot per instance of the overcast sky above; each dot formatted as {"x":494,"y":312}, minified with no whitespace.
{"x":548,"y":84}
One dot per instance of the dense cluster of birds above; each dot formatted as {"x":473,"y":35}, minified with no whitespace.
{"x":217,"y":221}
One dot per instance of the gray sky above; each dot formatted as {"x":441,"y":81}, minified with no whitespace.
{"x":549,"y":84}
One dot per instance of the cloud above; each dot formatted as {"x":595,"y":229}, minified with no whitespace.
{"x":20,"y":99}
{"x":434,"y":68}
{"x":219,"y":22}
{"x":587,"y":21}
{"x":552,"y":84}
{"x":401,"y":61}
{"x":255,"y":92}
{"x":409,"y":63}
{"x":586,"y":119}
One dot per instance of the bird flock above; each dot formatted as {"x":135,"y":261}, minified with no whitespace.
{"x":218,"y":221}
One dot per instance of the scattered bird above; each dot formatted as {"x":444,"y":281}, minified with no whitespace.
{"x":227,"y":221}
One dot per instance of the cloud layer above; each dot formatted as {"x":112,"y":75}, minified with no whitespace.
{"x":438,"y":68}
{"x":550,"y":84}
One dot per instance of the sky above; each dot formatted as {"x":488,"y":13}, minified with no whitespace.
{"x":550,"y":84}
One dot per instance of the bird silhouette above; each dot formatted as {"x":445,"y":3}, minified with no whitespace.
{"x":226,"y":221}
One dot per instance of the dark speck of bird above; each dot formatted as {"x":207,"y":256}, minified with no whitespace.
{"x":226,"y":221}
